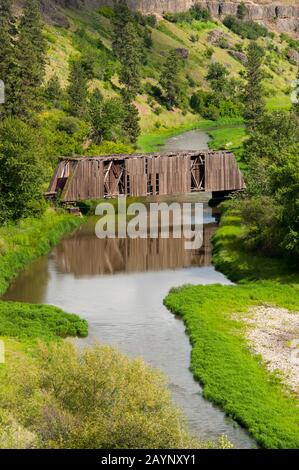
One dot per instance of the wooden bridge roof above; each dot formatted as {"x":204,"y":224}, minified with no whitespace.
{"x":187,"y":153}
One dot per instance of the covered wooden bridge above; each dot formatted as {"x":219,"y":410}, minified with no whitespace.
{"x":83,"y":178}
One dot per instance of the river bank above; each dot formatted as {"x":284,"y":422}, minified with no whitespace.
{"x":20,"y":244}
{"x":151,"y":142}
{"x":222,"y":360}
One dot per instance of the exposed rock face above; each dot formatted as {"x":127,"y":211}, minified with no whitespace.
{"x":284,"y":17}
{"x":53,"y":14}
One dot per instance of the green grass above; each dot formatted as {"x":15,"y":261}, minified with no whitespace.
{"x":231,"y":376}
{"x":44,"y":322}
{"x":229,"y":138}
{"x":152,"y":141}
{"x":22,"y":242}
{"x":221,"y":361}
{"x":241,"y":265}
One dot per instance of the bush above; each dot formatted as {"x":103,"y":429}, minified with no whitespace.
{"x":93,"y":399}
{"x":151,"y":20}
{"x":245,"y":29}
{"x":62,"y":135}
{"x":69,"y":124}
{"x":106,"y":11}
{"x":109,"y":148}
{"x":196,"y":12}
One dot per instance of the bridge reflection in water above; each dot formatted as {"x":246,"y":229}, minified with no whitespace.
{"x":87,"y":255}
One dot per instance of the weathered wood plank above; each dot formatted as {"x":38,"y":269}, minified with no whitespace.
{"x":143,"y":174}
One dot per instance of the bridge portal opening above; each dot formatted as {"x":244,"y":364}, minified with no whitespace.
{"x":198,"y":173}
{"x":115,"y":182}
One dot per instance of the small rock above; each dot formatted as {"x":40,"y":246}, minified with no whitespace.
{"x":182,"y":52}
{"x":217,"y":35}
{"x":294,"y":55}
{"x":240,"y":56}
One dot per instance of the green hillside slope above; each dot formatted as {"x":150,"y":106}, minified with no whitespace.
{"x":90,"y":35}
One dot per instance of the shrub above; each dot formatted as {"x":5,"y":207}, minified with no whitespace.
{"x":106,"y":11}
{"x":93,"y":399}
{"x":69,"y":124}
{"x":196,"y":12}
{"x":109,"y":148}
{"x":245,"y":29}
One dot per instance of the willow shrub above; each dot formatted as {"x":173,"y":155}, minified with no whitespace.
{"x":97,"y":398}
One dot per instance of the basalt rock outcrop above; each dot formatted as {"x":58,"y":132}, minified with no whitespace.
{"x":282,"y":16}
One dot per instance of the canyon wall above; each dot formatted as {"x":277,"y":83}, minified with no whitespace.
{"x":282,"y":16}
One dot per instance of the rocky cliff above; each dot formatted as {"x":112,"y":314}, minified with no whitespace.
{"x":283,"y":16}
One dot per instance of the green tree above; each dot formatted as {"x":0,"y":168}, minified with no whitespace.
{"x":254,"y":106}
{"x":131,"y":121}
{"x":30,"y":52}
{"x":106,"y":118}
{"x":121,"y":18}
{"x":170,"y":80}
{"x":284,"y":180}
{"x":77,"y":90}
{"x":130,"y":62}
{"x":216,"y":76}
{"x":21,"y":170}
{"x":271,"y":209}
{"x":241,"y":11}
{"x":53,"y":91}
{"x":7,"y":58}
{"x":274,"y":133}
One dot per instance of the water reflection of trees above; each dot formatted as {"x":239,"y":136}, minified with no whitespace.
{"x":86,"y":255}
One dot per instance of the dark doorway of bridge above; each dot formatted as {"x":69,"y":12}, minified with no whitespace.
{"x":197,"y":174}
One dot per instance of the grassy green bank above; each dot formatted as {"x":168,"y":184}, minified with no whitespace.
{"x":22,"y":242}
{"x":221,"y":361}
{"x":241,"y":265}
{"x":150,"y":142}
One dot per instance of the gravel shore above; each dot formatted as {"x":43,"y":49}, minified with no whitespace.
{"x":273,"y":333}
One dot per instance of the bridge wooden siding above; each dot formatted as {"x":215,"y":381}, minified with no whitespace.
{"x":83,"y":178}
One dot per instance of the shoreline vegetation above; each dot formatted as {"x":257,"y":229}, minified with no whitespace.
{"x":21,"y":243}
{"x":216,"y":320}
{"x":26,"y":240}
{"x":151,"y":142}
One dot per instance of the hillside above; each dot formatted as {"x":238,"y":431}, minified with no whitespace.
{"x":282,"y":15}
{"x":89,"y":29}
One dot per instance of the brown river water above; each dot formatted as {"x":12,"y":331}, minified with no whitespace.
{"x":118,"y":286}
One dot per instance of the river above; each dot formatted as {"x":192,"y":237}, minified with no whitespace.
{"x":118,"y":286}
